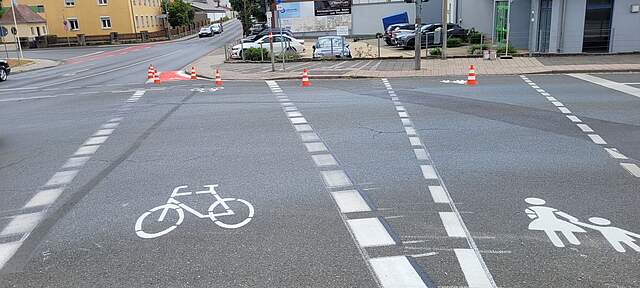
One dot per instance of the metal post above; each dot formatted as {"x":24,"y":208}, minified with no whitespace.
{"x":273,"y":57}
{"x":282,"y":42}
{"x":342,"y":52}
{"x":378,"y":47}
{"x":445,"y":27}
{"x":17,"y":36}
{"x":242,"y":49}
{"x":418,"y":37}
{"x":226,"y":56}
{"x":506,"y":47}
{"x":5,"y":47}
{"x":261,"y":53}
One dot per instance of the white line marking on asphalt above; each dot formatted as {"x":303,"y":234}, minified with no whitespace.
{"x":597,"y":139}
{"x":608,"y":84}
{"x":564,"y":110}
{"x":315,"y":147}
{"x":535,"y":86}
{"x":415,"y":141}
{"x":472,"y":268}
{"x":116,"y":119}
{"x":75,"y":162}
{"x":406,"y":122}
{"x":552,"y":99}
{"x":438,"y":195}
{"x":350,"y":201}
{"x":86,"y":150}
{"x":574,"y":119}
{"x":62,"y":178}
{"x":545,"y":94}
{"x":585,"y":128}
{"x":615,"y":154}
{"x":540,"y":90}
{"x":428,"y":172}
{"x":395,"y":98}
{"x":20,"y":224}
{"x":322,"y":160}
{"x":44,"y":197}
{"x":370,"y":232}
{"x":452,"y":224}
{"x":309,"y":137}
{"x":631,"y":168}
{"x":557,"y":103}
{"x":421,"y":154}
{"x":303,"y":128}
{"x":403,"y":114}
{"x":103,"y":132}
{"x":294,"y":114}
{"x":96,"y":140}
{"x":298,"y":120}
{"x":400,"y":108}
{"x":425,"y":255}
{"x":410,"y":131}
{"x":110,"y":125}
{"x":290,"y":108}
{"x":396,"y":272}
{"x":7,"y":250}
{"x":26,"y":98}
{"x":287,"y":104}
{"x":284,"y":100}
{"x":398,"y":103}
{"x":335,"y":178}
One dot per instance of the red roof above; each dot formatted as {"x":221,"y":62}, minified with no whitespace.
{"x":24,"y":15}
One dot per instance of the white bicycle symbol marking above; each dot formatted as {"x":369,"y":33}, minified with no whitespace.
{"x":180,"y":207}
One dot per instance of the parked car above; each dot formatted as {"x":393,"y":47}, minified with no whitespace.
{"x":257,"y":28}
{"x":401,"y":31}
{"x":331,"y":46}
{"x":4,"y":70}
{"x":216,"y":28}
{"x":393,"y":27}
{"x":428,"y":34}
{"x":205,"y":32}
{"x":265,"y":32}
{"x":290,"y":45}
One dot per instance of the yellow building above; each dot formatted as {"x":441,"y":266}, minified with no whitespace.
{"x":30,"y":24}
{"x":97,"y":17}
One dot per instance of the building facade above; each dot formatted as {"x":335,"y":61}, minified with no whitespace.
{"x":30,"y":24}
{"x":97,"y":17}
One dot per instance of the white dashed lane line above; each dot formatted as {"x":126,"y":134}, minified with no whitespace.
{"x":23,"y":224}
{"x":632,"y":168}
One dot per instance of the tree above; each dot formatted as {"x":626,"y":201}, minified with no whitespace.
{"x":180,"y":13}
{"x":248,"y":10}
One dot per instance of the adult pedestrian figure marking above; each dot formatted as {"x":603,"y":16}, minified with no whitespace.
{"x":614,"y":235}
{"x":546,"y":219}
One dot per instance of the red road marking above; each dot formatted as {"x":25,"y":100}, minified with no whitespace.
{"x":173,"y":76}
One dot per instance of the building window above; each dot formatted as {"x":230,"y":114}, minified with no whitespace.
{"x":33,"y":32}
{"x":39,"y":8}
{"x":102,"y":2}
{"x":44,"y":30}
{"x":69,"y":3}
{"x":105,"y":21}
{"x":73,"y":24}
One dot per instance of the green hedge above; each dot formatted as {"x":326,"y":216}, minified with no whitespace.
{"x":501,"y":49}
{"x":253,"y":54}
{"x":454,"y":42}
{"x":435,"y":52}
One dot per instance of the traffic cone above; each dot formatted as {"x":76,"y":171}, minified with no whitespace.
{"x":305,"y":78}
{"x":150,"y":73}
{"x":471,"y":79}
{"x":218,"y":78}
{"x":156,"y":79}
{"x":193,"y":73}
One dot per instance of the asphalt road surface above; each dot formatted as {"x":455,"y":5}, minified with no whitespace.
{"x":525,"y":181}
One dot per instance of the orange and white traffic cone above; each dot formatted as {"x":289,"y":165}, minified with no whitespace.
{"x":305,"y":78}
{"x":156,"y":79}
{"x":150,"y":73}
{"x":218,"y":78}
{"x":471,"y":79}
{"x":193,"y":73}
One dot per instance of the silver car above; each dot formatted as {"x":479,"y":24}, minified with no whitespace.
{"x":331,"y":46}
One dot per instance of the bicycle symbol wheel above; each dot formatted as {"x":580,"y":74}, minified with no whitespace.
{"x":144,"y":215}
{"x":230,"y":202}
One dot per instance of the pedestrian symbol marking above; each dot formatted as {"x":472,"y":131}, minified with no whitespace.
{"x":555,"y":223}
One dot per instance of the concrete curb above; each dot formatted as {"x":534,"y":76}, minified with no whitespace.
{"x":39,"y":64}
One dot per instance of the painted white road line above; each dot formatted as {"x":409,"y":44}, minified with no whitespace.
{"x":545,"y":94}
{"x":86,"y":150}
{"x":75,"y":162}
{"x":552,"y":99}
{"x":472,"y":268}
{"x":585,"y":128}
{"x":103,"y":132}
{"x":286,"y":104}
{"x":298,"y":120}
{"x":631,"y":168}
{"x":315,"y":147}
{"x":400,"y":108}
{"x":116,"y":119}
{"x":452,"y":224}
{"x":294,"y":114}
{"x":574,"y":119}
{"x":303,"y":128}
{"x":438,"y":195}
{"x":564,"y":110}
{"x":421,"y":154}
{"x":7,"y":250}
{"x":350,"y":201}
{"x":20,"y":224}
{"x":309,"y":137}
{"x":96,"y":140}
{"x":540,"y":90}
{"x":608,"y":84}
{"x":615,"y":154}
{"x":403,"y":114}
{"x":62,"y":178}
{"x":406,"y":121}
{"x":290,"y":108}
{"x":370,"y":232}
{"x":410,"y":131}
{"x":632,"y":83}
{"x":26,"y":98}
{"x":396,"y":272}
{"x":110,"y":125}
{"x":335,"y":178}
{"x":557,"y":104}
{"x":323,"y":160}
{"x":597,"y":139}
{"x":415,"y":141}
{"x":428,"y":172}
{"x":44,"y":197}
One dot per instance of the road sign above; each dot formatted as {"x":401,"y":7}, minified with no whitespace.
{"x":14,"y":31}
{"x":3,"y":31}
{"x":342,"y":30}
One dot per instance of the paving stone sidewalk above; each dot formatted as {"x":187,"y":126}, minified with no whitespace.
{"x":404,"y":67}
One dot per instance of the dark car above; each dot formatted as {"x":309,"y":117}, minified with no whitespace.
{"x":428,"y":34}
{"x":391,"y":28}
{"x":257,"y":28}
{"x":4,"y":70}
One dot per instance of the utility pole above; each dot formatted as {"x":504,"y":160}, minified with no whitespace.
{"x":14,"y":5}
{"x":418,"y":37}
{"x":445,"y":22}
{"x":506,"y":47}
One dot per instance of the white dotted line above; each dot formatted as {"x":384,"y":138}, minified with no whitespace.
{"x":633,"y":169}
{"x":23,"y":224}
{"x":473,"y":267}
{"x":366,"y":232}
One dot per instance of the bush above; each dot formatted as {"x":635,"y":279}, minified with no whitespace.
{"x":501,"y":49}
{"x":473,"y":49}
{"x":435,"y":52}
{"x":454,"y":42}
{"x":288,"y":55}
{"x":253,"y":54}
{"x":474,"y":36}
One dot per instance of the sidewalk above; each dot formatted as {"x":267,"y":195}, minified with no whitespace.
{"x":35,"y":64}
{"x":389,"y":68}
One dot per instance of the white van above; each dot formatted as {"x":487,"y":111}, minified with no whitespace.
{"x":216,"y":28}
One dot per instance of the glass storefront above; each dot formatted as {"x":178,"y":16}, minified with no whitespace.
{"x":597,"y":26}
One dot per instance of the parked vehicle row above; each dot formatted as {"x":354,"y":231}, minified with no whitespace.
{"x":404,"y":36}
{"x":280,"y":42}
{"x":210,"y":30}
{"x":331,"y":46}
